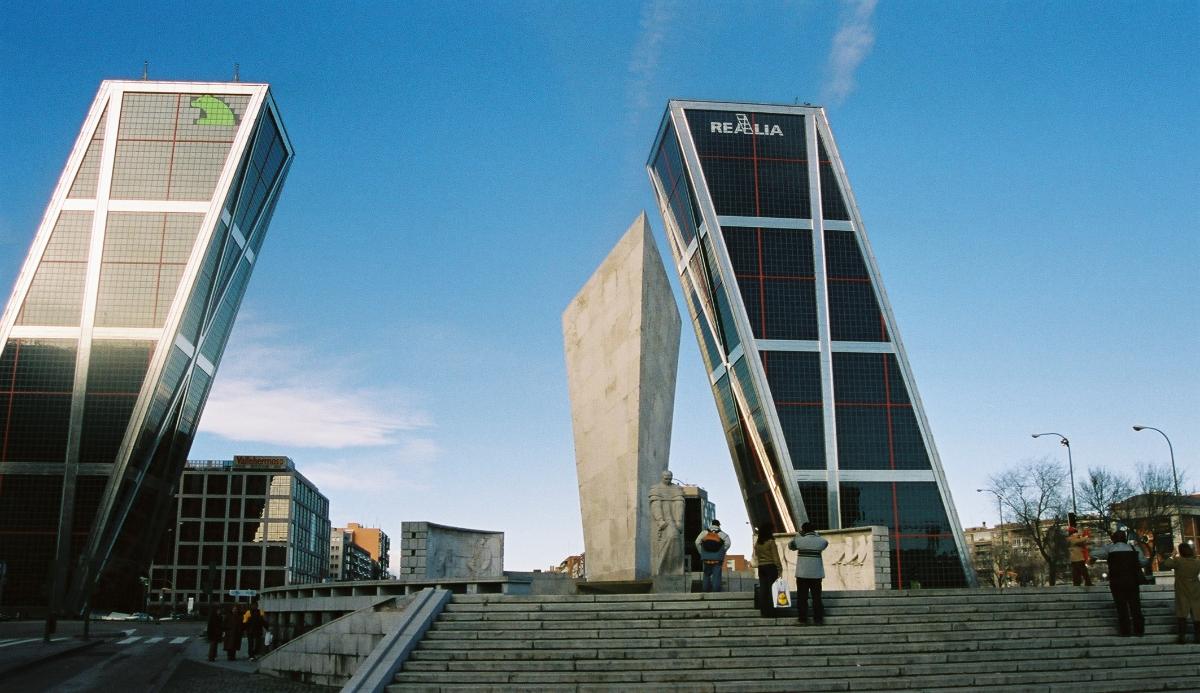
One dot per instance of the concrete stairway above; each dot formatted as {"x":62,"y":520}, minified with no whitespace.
{"x":1047,"y":639}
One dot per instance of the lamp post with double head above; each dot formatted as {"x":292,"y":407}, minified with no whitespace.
{"x":1070,"y":467}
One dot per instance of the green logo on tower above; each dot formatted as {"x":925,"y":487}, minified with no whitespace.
{"x":216,"y":111}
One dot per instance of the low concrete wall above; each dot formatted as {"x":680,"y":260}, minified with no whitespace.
{"x":330,"y":654}
{"x":295,"y":609}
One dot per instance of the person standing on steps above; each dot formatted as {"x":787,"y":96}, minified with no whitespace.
{"x":712,"y":544}
{"x":810,"y":570}
{"x":1124,"y":577}
{"x":1078,"y":543}
{"x":766,"y":559}
{"x":1187,"y":590}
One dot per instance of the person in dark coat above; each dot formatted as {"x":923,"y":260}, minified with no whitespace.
{"x":766,"y":559}
{"x":233,"y":631}
{"x":214,"y":631}
{"x":253,"y":623}
{"x":1124,"y":577}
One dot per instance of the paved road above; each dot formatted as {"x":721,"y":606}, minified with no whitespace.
{"x":125,"y":657}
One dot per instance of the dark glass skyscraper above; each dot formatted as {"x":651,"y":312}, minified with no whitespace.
{"x":812,"y":385}
{"x":116,"y":326}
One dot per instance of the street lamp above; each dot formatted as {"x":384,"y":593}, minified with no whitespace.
{"x":999,"y":529}
{"x":1174,"y":476}
{"x":1070,"y":467}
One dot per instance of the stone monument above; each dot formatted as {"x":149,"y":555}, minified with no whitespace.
{"x":434,"y":551}
{"x":621,"y":338}
{"x":666,"y":519}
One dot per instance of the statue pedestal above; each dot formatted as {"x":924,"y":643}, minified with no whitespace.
{"x":670,"y":584}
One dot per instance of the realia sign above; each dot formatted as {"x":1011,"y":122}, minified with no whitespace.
{"x":744,"y":127}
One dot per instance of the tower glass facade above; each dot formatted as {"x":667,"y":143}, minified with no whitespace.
{"x":113,"y":333}
{"x":812,"y":384}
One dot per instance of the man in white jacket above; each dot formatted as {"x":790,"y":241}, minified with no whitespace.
{"x":810,"y":570}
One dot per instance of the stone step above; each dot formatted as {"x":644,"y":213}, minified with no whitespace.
{"x":1022,"y":594}
{"x":832,"y":617}
{"x":700,"y":641}
{"x":911,"y":664}
{"x":831,"y":628}
{"x":1093,"y":647}
{"x":858,"y":678}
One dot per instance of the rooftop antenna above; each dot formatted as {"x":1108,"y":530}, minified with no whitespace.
{"x":145,"y":70}
{"x":237,"y":75}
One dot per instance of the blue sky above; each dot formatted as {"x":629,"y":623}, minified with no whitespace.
{"x":1027,"y":172}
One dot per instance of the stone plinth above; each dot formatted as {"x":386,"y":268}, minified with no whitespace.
{"x":621,"y":337}
{"x":859,"y":558}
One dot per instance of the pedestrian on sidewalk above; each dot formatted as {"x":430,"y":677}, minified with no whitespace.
{"x":766,"y":559}
{"x":1187,"y":590}
{"x":1125,"y":576}
{"x":810,"y":570}
{"x":712,"y":544}
{"x":253,"y":623}
{"x":1078,"y":542}
{"x":214,"y":631}
{"x":233,"y":631}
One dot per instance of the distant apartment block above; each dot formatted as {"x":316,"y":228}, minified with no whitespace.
{"x":377,"y":544}
{"x":241,"y":525}
{"x":347,"y":560}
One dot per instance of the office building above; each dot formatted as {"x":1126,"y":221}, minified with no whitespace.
{"x":241,"y":525}
{"x":347,"y":560}
{"x":376,"y":543}
{"x":116,"y":326}
{"x":813,"y":388}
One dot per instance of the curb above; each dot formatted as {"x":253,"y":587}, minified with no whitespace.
{"x":72,"y":648}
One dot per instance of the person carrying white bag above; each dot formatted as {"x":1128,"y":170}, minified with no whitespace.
{"x":766,"y":558}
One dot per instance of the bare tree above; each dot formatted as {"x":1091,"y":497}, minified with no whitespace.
{"x":1100,"y":491}
{"x":1033,"y":494}
{"x":1150,"y":510}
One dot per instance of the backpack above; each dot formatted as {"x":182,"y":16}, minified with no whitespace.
{"x":711,"y":542}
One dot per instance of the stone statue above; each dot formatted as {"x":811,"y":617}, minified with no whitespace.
{"x":666,"y":520}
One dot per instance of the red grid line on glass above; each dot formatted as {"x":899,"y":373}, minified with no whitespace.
{"x":165,"y":141}
{"x":783,"y":277}
{"x":896,"y":525}
{"x":174,"y":144}
{"x":856,"y":280}
{"x":797,"y":404}
{"x":762,"y":288}
{"x":871,"y":404}
{"x":732,"y":157}
{"x":12,"y":385}
{"x":162,"y":239}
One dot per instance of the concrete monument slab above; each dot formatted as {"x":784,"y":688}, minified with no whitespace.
{"x":621,"y":338}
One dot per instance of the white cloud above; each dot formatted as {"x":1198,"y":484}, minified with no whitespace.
{"x":396,"y":469}
{"x":851,"y":44}
{"x":655,"y":22}
{"x":269,"y":391}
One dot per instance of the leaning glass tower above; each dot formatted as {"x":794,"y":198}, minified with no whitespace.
{"x":812,"y":384}
{"x":115,"y":328}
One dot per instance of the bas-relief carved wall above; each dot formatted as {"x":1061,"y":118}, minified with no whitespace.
{"x":438,"y":551}
{"x":856,"y":559}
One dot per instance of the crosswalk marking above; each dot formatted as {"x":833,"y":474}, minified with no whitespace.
{"x":179,"y":640}
{"x":18,"y":642}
